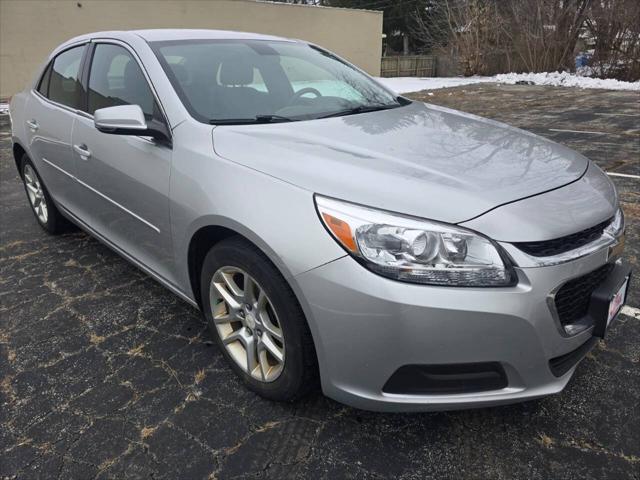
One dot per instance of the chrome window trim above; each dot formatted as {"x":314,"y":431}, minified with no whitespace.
{"x":56,"y":104}
{"x":87,"y":115}
{"x":97,"y":192}
{"x":84,"y":114}
{"x":52,"y":56}
{"x":134,"y":54}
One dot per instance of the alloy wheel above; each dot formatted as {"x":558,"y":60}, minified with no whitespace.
{"x":35,"y":194}
{"x":247,"y":323}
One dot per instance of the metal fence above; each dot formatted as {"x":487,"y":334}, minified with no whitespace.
{"x":409,"y":66}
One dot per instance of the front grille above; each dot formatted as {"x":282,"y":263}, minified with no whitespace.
{"x":572,"y":300}
{"x":560,"y":245}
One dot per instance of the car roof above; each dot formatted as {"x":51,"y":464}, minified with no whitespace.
{"x":192,"y":34}
{"x":168,"y":34}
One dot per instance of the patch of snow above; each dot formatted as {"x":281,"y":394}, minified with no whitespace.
{"x":566,"y":79}
{"x":557,"y":79}
{"x":416,"y":84}
{"x":585,"y":71}
{"x":4,"y":108}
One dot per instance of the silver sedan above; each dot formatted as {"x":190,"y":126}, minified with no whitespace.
{"x":401,"y":255}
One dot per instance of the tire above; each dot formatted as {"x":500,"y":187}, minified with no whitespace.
{"x":234,"y":258}
{"x":42,"y":206}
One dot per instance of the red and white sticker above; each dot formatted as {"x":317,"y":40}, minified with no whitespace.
{"x":616,"y":302}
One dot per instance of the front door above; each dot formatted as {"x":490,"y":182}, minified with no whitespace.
{"x":124,"y":180}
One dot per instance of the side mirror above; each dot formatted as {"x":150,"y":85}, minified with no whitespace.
{"x":128,"y":120}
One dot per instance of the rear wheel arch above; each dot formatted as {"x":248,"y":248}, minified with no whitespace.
{"x":52,"y":221}
{"x":18,"y":153}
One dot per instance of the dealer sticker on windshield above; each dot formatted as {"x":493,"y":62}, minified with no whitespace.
{"x":616,"y":302}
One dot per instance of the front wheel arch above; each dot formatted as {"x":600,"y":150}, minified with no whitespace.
{"x":201,"y":242}
{"x":210,"y":230}
{"x":217,"y":229}
{"x":301,"y":376}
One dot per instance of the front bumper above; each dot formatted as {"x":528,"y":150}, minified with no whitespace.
{"x":366,"y":327}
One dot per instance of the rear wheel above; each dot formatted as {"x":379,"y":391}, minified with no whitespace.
{"x":41,"y":203}
{"x":257,"y":321}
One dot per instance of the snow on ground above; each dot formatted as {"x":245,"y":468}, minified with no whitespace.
{"x":566,"y":79}
{"x":4,"y":108}
{"x":415,"y":84}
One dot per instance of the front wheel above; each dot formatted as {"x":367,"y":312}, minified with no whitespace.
{"x":257,"y":321}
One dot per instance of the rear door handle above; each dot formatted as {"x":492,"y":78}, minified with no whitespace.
{"x":82,"y":150}
{"x":33,"y":125}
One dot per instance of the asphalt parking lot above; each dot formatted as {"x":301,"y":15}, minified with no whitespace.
{"x":105,"y":374}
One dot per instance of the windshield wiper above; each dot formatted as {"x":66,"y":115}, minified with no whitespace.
{"x":362,"y":109}
{"x":273,"y":118}
{"x":248,"y":121}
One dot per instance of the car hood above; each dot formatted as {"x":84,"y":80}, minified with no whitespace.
{"x":419,"y":159}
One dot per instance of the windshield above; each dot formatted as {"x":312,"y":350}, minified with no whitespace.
{"x":257,"y":81}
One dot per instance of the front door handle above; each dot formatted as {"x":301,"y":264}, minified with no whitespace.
{"x":82,"y":150}
{"x":33,"y":125}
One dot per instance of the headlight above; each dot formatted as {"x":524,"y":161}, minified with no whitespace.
{"x":616,"y":227}
{"x":415,"y":250}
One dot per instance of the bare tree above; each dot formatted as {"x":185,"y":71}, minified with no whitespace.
{"x":428,"y":25}
{"x":543,"y":32}
{"x":495,"y":36}
{"x":475,"y":29}
{"x":467,"y":28}
{"x":614,"y":27}
{"x":490,"y":36}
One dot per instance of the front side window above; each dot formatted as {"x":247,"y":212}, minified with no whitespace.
{"x":64,"y":80}
{"x":249,"y":81}
{"x":115,"y":79}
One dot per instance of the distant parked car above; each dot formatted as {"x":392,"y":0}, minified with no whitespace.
{"x":409,"y":256}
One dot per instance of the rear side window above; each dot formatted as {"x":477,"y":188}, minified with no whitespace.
{"x":116,"y":79}
{"x":64,"y":81}
{"x":43,"y":86}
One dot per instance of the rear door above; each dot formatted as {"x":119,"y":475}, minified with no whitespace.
{"x":124,"y":179}
{"x":50,"y":114}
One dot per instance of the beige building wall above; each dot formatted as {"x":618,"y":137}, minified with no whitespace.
{"x":30,"y":29}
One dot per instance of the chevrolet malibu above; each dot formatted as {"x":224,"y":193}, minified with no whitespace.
{"x":402,"y":255}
